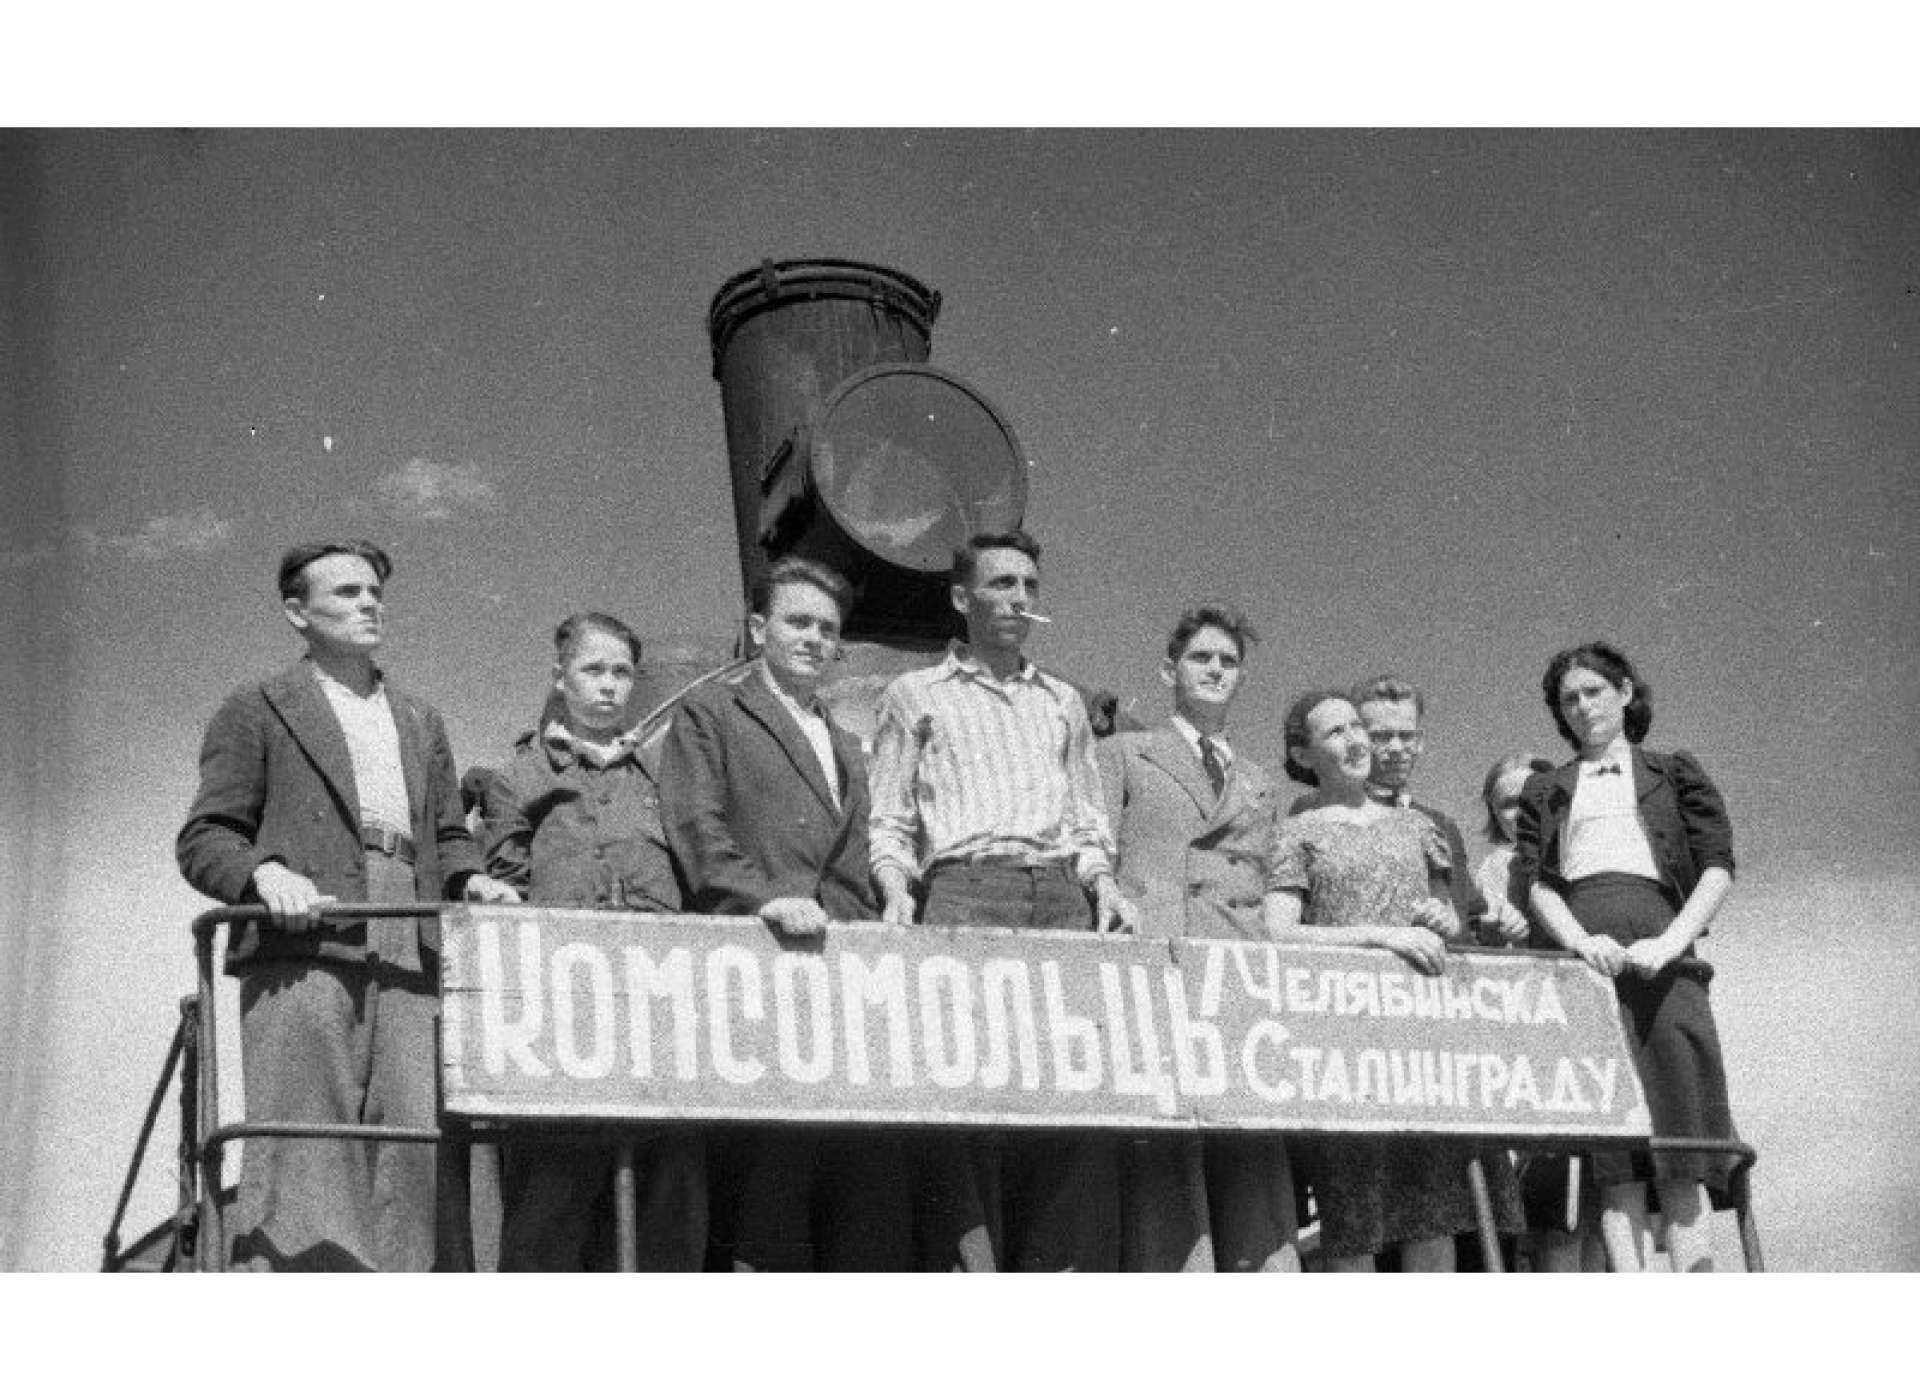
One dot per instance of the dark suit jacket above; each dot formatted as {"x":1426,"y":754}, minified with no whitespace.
{"x":747,"y":810}
{"x":276,"y":783}
{"x":1193,"y":864}
{"x":1464,"y":894}
{"x":1685,"y":820}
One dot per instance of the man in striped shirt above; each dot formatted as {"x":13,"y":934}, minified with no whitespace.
{"x":986,"y":791}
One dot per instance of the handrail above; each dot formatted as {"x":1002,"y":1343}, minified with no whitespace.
{"x":111,"y":1257}
{"x":211,"y":1136}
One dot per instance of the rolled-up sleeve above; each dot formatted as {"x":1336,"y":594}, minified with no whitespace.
{"x":893,"y":823}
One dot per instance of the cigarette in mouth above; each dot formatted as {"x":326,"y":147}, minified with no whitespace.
{"x":1034,"y":616}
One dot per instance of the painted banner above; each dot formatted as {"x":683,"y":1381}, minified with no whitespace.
{"x":570,"y":1014}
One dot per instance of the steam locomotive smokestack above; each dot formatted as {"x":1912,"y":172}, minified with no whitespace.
{"x":844,"y":447}
{"x":783,"y":336}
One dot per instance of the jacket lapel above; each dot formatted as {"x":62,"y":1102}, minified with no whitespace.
{"x":296,"y":697}
{"x":753,"y":696}
{"x":1648,"y":777}
{"x":1170,"y":753}
{"x":853,"y":764}
{"x":1559,"y":800}
{"x":413,"y":749}
{"x":1241,"y":793}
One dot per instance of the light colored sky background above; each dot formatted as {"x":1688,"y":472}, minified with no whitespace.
{"x":1434,"y":401}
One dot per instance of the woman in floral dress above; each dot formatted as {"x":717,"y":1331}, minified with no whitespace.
{"x":1362,"y":874}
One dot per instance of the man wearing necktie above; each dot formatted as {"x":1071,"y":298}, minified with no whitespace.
{"x":1193,"y":822}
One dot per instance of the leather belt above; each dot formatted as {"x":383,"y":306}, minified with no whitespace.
{"x":387,"y":841}
{"x":1036,"y":864}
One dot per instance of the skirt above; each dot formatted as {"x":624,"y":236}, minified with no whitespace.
{"x":1373,"y":1193}
{"x":1670,"y":1029}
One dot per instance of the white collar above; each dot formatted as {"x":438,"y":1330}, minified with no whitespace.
{"x":810,"y":710}
{"x":960,"y":657}
{"x":1616,"y":757}
{"x":1189,"y":731}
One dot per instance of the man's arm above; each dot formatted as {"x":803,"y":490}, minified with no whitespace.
{"x":509,"y":852}
{"x":216,"y":847}
{"x":893,"y":822}
{"x":1462,"y":891}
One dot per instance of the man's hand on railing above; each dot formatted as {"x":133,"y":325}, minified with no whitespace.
{"x":896,"y":895}
{"x":1113,"y":911}
{"x":484,"y":889}
{"x":292,"y":901}
{"x":795,"y":917}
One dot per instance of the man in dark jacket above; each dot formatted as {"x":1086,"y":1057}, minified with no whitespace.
{"x":764,"y":801}
{"x":324,"y":784}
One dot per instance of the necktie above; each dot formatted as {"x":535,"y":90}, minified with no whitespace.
{"x":1210,"y":760}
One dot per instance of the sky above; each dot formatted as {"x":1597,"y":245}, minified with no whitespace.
{"x":1432,"y":401}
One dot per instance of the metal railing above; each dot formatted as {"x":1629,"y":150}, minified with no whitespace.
{"x":196,"y":1233}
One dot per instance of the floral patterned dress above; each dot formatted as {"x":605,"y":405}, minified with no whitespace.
{"x":1375,"y":1192}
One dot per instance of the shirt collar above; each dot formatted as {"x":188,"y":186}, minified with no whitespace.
{"x":1189,"y":731}
{"x":1386,"y":798}
{"x":325,"y":678}
{"x":565,"y":747}
{"x":810,"y":710}
{"x":960,"y":659}
{"x":1616,"y":756}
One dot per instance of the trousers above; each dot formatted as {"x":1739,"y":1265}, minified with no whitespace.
{"x":1026,"y":1201}
{"x":557,"y":1205}
{"x":334,"y":1042}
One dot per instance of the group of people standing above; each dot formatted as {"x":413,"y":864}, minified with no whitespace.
{"x":986,"y":800}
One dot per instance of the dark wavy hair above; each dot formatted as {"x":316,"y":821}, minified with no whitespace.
{"x":796,"y":569}
{"x":968,"y":555}
{"x":1389,"y":687}
{"x":1294,"y":734}
{"x":1606,"y":660}
{"x":291,"y":580}
{"x":1224,"y":616}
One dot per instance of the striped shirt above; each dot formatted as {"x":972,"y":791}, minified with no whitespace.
{"x":968,"y":767}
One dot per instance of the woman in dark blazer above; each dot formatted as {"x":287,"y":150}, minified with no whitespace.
{"x":1627,"y":854}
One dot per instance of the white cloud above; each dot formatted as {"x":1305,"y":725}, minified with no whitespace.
{"x":434,"y":490}
{"x":162,"y":536}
